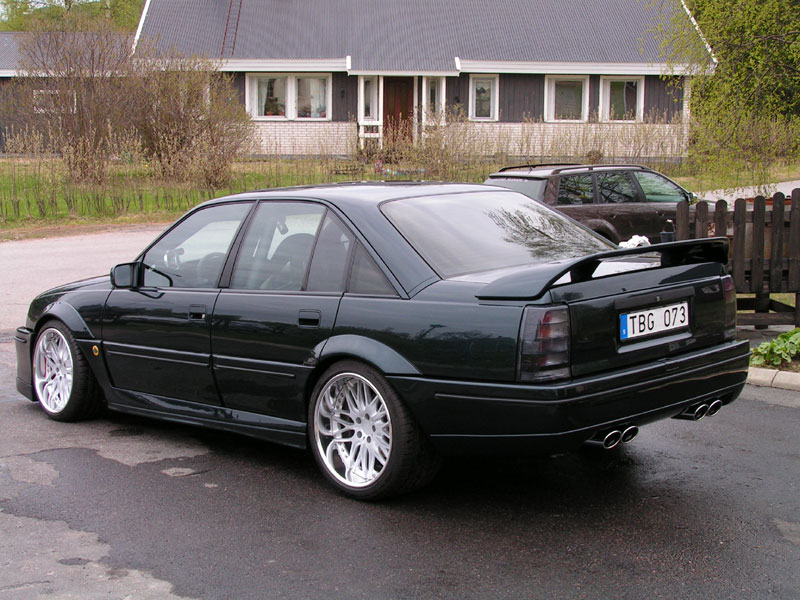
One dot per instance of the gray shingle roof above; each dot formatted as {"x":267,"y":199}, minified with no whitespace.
{"x":409,"y":35}
{"x":9,"y":51}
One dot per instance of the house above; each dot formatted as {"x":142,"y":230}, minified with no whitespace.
{"x":318,"y":76}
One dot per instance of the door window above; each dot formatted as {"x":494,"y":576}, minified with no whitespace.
{"x":192,"y":254}
{"x":277,"y":247}
{"x":329,"y":265}
{"x":366,"y":278}
{"x":657,"y":188}
{"x":615,"y":188}
{"x":575,"y":189}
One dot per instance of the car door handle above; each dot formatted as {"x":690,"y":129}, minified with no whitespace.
{"x":309,"y":318}
{"x":197,"y":312}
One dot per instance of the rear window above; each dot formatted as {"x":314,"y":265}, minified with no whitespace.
{"x":530,"y":187}
{"x":481,"y":231}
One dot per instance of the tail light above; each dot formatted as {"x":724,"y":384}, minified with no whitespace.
{"x":544,"y":344}
{"x":729,"y":294}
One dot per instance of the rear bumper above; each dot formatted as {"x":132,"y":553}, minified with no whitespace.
{"x":475,"y":417}
{"x":22,"y":341}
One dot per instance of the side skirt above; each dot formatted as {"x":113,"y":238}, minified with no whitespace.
{"x":271,"y":429}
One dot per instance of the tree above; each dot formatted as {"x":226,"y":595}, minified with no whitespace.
{"x":26,"y":15}
{"x":749,"y":107}
{"x":89,"y":100}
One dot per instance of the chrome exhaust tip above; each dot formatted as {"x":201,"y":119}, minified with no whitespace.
{"x":630,"y":433}
{"x":607,"y":440}
{"x":695,"y":412}
{"x":714,"y":407}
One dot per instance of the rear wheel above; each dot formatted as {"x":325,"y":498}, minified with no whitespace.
{"x":363,"y":437}
{"x":62,"y":381}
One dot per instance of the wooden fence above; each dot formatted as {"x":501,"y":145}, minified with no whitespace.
{"x":764,"y":251}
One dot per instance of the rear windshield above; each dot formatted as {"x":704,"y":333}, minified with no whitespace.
{"x":481,"y":231}
{"x":530,"y":187}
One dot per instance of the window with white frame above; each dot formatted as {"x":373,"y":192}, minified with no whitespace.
{"x":621,"y":98}
{"x":483,"y":92}
{"x":54,"y":101}
{"x":433,"y":89}
{"x":566,"y":98}
{"x":369,"y":109}
{"x":289,"y":96}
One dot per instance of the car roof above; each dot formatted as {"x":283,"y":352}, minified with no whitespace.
{"x":360,"y":203}
{"x":356,"y":193}
{"x":546,"y":170}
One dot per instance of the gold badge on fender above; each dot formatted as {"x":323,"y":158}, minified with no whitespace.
{"x":95,"y":350}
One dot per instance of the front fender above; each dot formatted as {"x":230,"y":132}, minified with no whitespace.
{"x":382,"y":357}
{"x":67,"y":314}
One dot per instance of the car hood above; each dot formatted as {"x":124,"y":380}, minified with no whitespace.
{"x":99,"y":282}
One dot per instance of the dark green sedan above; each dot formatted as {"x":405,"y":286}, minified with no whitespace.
{"x":387,"y":325}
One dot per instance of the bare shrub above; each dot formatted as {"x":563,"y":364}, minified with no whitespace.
{"x":189,"y":117}
{"x":75,"y":93}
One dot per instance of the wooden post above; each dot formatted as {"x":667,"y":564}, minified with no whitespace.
{"x":721,"y":218}
{"x":701,"y":220}
{"x":739,"y":235}
{"x":776,"y":251}
{"x":757,"y":254}
{"x":682,"y":221}
{"x":794,"y":244}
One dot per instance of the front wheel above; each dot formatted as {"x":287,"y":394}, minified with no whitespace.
{"x":363,"y":437}
{"x":62,"y":381}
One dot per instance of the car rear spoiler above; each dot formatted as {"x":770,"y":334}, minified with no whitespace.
{"x":534,"y":281}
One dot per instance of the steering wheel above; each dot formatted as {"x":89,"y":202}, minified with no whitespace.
{"x":209,"y":268}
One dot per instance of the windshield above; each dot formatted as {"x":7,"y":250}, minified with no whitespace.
{"x":481,"y":231}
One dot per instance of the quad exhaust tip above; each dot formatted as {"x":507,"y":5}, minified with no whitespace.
{"x":695,"y":412}
{"x":613,"y":438}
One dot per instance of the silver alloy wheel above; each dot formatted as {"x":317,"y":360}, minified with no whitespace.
{"x":353,"y":430}
{"x":52,"y":370}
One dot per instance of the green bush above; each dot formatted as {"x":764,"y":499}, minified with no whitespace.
{"x":782,"y":349}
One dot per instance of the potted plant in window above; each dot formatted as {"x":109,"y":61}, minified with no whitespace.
{"x":272,"y":107}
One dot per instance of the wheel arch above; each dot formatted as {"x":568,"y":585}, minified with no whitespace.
{"x":604,"y":228}
{"x":84,"y":337}
{"x":67,"y":314}
{"x":379,"y":356}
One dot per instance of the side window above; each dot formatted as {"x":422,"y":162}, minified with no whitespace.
{"x":575,"y":189}
{"x":329,"y":265}
{"x":615,"y":188}
{"x":366,"y":278}
{"x":277,"y":247}
{"x":192,"y":254}
{"x":657,"y":188}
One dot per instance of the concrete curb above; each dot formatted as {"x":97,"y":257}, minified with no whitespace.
{"x":785,"y":380}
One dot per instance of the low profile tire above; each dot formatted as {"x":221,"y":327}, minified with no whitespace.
{"x":362,"y":436}
{"x":63,"y":384}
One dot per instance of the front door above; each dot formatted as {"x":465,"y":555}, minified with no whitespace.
{"x":398,"y":108}
{"x":156,"y":335}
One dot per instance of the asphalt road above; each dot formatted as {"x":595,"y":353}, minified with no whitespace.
{"x":123,"y":507}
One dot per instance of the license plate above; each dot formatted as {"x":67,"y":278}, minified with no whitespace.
{"x":653,"y":320}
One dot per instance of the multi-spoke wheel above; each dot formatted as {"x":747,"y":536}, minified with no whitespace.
{"x":363,"y":437}
{"x":62,"y":382}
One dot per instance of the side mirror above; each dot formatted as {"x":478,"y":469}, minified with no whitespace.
{"x":691,"y":197}
{"x":124,"y":275}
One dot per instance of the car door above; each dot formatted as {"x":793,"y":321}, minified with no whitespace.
{"x":622,"y":206}
{"x":156,"y":334}
{"x":270,"y":323}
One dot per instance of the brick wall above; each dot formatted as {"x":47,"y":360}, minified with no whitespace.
{"x":630,"y":141}
{"x":300,"y":138}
